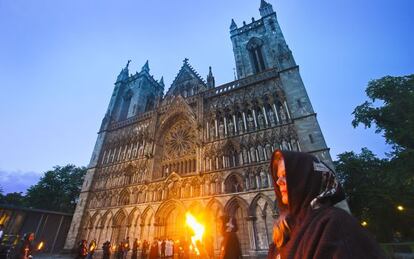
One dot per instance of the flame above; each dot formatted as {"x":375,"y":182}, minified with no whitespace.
{"x":92,"y":247}
{"x":113,"y":247}
{"x":40,"y":245}
{"x":198,"y":231}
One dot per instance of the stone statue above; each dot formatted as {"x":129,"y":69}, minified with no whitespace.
{"x":230,"y":128}
{"x":263,"y":179}
{"x":262,"y":122}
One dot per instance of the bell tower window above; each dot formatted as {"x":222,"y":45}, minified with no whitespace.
{"x":126,"y":102}
{"x":254,"y":46}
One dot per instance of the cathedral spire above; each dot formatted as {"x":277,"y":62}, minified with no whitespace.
{"x":265,"y":8}
{"x":161,"y":82}
{"x":233,"y":25}
{"x":145,"y":67}
{"x":210,"y":79}
{"x":124,"y":74}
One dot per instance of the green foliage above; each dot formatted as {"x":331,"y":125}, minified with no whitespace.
{"x":58,"y":189}
{"x":13,"y":198}
{"x":395,"y":117}
{"x":374,"y":186}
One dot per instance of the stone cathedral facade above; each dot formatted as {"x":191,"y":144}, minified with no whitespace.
{"x":199,"y":147}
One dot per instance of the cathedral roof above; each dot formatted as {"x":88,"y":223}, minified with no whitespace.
{"x":185,"y":74}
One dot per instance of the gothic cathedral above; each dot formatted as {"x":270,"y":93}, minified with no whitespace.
{"x":200,"y":148}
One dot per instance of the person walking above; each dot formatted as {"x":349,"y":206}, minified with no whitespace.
{"x":312,"y":224}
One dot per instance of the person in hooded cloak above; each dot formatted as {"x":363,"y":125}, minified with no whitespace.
{"x":230,"y":245}
{"x":311,"y":224}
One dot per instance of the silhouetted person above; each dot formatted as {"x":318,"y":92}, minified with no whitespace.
{"x":135,"y":246}
{"x":153,"y":254}
{"x":126,"y":248}
{"x":82,"y":251}
{"x":92,"y":248}
{"x":144,"y":251}
{"x":163,"y":244}
{"x":106,"y":250}
{"x":230,"y":246}
{"x":25,"y":248}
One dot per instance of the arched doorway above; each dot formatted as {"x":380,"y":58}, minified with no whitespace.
{"x":214,"y":211}
{"x":171,"y":220}
{"x":119,"y":225}
{"x":237,"y":208}
{"x":147,"y":224}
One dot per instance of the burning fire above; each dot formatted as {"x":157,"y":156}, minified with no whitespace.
{"x":40,"y":246}
{"x":93,"y":246}
{"x":198,"y":230}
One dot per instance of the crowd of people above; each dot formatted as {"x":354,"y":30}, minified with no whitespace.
{"x":158,"y":248}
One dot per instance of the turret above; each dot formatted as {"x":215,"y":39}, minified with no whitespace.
{"x":233,"y":25}
{"x":145,"y":67}
{"x":265,"y":8}
{"x":260,"y":45}
{"x":211,"y":83}
{"x":124,"y":74}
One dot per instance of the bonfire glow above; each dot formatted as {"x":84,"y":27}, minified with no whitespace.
{"x":198,"y":230}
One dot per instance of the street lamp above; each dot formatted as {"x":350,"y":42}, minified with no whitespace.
{"x":364,"y":223}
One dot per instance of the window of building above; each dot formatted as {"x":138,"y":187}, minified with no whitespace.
{"x":254,"y":46}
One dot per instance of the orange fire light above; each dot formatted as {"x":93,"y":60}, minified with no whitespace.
{"x":40,"y":246}
{"x":198,"y":231}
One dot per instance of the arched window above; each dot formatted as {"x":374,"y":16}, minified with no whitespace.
{"x":126,"y":102}
{"x":254,"y":46}
{"x":234,"y":183}
{"x":150,"y":103}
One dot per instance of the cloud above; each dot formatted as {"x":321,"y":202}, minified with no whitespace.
{"x":17,"y":181}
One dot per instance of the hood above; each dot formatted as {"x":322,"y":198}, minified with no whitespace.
{"x":310,"y":183}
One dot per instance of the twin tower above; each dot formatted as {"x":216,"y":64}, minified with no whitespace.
{"x":257,"y":46}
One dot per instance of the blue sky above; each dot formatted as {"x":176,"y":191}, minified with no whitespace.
{"x":59,"y":60}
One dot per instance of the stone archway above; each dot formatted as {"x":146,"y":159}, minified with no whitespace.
{"x":214,"y":212}
{"x":119,"y":226}
{"x":171,"y":220}
{"x":147,"y":224}
{"x":262,"y":210}
{"x":237,"y":208}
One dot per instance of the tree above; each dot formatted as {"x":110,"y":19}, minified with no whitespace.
{"x":374,"y":189}
{"x":395,"y":117}
{"x":13,"y":198}
{"x":58,"y":189}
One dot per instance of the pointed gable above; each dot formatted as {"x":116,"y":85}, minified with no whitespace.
{"x":187,"y":82}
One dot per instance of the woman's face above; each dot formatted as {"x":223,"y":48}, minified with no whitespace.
{"x":281,"y":181}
